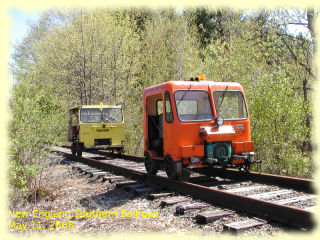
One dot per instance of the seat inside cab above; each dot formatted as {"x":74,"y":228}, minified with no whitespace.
{"x":155,"y":123}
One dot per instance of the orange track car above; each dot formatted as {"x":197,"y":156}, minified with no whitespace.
{"x":192,"y":124}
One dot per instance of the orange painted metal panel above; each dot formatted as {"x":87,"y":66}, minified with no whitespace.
{"x":192,"y":151}
{"x":239,"y":147}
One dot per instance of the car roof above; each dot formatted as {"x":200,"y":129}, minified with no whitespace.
{"x":95,"y":106}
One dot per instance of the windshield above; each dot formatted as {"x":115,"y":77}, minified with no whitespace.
{"x":230,"y":105}
{"x":90,"y":115}
{"x":193,"y":105}
{"x":112,"y":115}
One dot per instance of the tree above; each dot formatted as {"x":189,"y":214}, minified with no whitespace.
{"x":37,"y":122}
{"x":254,"y":57}
{"x":300,"y":49}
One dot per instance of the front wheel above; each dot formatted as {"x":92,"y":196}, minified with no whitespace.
{"x":245,"y":167}
{"x":150,"y":165}
{"x":73,"y":149}
{"x":120,"y":151}
{"x":173,"y":169}
{"x":79,"y":149}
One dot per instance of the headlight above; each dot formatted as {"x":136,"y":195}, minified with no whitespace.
{"x":219,"y":121}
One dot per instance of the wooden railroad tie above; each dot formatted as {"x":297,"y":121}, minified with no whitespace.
{"x":153,"y":196}
{"x":172,"y":201}
{"x":98,"y":174}
{"x":270,"y":195}
{"x":180,"y":209}
{"x":78,"y":166}
{"x":243,"y":225}
{"x":245,"y":189}
{"x":126,"y":183}
{"x":145,"y":190}
{"x":113,"y":179}
{"x":118,"y":180}
{"x":65,"y":161}
{"x":210,"y":216}
{"x":295,"y":199}
{"x":91,"y":171}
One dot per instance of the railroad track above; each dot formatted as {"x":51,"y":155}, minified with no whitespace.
{"x":235,"y":190}
{"x":299,"y":184}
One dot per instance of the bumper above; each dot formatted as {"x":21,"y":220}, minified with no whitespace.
{"x":106,"y":147}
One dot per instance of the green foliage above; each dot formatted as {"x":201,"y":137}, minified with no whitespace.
{"x":36,"y":123}
{"x":270,"y":78}
{"x":276,"y":112}
{"x":170,"y":50}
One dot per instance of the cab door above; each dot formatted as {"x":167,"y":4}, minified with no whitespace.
{"x":155,"y":124}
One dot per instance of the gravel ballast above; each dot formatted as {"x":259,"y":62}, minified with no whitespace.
{"x":93,"y":206}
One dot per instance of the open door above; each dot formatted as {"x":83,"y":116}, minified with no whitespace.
{"x":155,"y":124}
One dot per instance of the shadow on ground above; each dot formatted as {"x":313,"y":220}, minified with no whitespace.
{"x":111,"y":198}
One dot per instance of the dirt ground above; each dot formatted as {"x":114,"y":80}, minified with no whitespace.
{"x":92,"y":206}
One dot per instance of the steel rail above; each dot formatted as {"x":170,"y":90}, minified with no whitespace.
{"x":300,"y":184}
{"x":290,"y":216}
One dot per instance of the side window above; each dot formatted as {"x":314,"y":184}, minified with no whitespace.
{"x":168,"y":109}
{"x":159,"y":107}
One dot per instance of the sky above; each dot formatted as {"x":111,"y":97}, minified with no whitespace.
{"x":19,"y":27}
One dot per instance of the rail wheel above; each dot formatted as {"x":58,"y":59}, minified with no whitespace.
{"x":173,"y":169}
{"x":120,"y":151}
{"x":79,"y":149}
{"x":150,"y":165}
{"x":73,"y":149}
{"x":245,"y":167}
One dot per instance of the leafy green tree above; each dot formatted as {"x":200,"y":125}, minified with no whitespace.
{"x":170,"y":49}
{"x":270,"y":79}
{"x":35,"y":125}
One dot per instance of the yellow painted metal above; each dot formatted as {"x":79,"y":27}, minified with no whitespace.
{"x":88,"y":132}
{"x":91,"y":131}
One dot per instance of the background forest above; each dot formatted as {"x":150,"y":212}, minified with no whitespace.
{"x":72,"y":57}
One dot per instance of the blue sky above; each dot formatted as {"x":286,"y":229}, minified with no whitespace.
{"x":19,"y":20}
